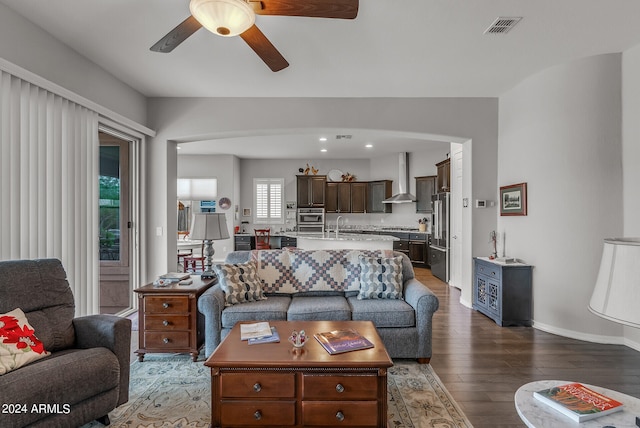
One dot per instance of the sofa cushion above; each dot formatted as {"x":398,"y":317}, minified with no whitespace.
{"x":383,"y":313}
{"x":380,"y":278}
{"x":329,"y":308}
{"x":272,"y":309}
{"x":239,"y":282}
{"x":18,"y":343}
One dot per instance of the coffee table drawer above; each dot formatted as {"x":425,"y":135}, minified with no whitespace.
{"x":166,"y":339}
{"x":166,"y":304}
{"x":258,"y":413}
{"x":332,"y":387}
{"x":340,"y":413}
{"x":258,"y":385}
{"x":166,"y":322}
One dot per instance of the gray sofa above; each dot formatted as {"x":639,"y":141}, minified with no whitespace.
{"x":403,"y":324}
{"x":87,"y":374}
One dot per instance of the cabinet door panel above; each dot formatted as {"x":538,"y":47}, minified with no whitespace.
{"x":359,"y":197}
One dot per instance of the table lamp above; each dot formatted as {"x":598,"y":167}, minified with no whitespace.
{"x":209,"y":227}
{"x":616,"y":295}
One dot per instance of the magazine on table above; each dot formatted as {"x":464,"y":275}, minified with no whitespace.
{"x":578,"y":402}
{"x":275,"y":337}
{"x":255,"y":330}
{"x":175,"y":276}
{"x":339,"y":341}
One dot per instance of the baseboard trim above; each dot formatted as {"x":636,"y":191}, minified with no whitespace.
{"x":594,"y":338}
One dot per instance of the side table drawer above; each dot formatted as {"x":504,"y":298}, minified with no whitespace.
{"x":166,"y":339}
{"x":488,"y":269}
{"x":340,"y":413}
{"x":166,"y":322}
{"x":166,"y":304}
{"x":318,"y":387}
{"x":257,"y":385}
{"x":258,"y":413}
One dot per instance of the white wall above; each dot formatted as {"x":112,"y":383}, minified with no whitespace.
{"x":560,"y":131}
{"x":31,"y":48}
{"x":631,"y":153}
{"x":194,"y":119}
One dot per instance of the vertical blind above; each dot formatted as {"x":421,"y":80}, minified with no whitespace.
{"x":48,"y":181}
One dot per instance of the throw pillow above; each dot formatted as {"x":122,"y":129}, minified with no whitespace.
{"x":380,"y":278}
{"x":18,"y":342}
{"x":240,"y":282}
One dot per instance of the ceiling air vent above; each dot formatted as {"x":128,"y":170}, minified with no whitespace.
{"x":502,"y":25}
{"x":343,"y":137}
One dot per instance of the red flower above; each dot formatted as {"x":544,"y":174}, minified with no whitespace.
{"x":7,"y":323}
{"x":24,"y":338}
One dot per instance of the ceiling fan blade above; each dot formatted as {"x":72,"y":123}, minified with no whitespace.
{"x":176,"y":36}
{"x":264,"y":48}
{"x":343,"y":9}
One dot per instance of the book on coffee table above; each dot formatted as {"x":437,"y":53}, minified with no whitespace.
{"x":339,"y":341}
{"x":274,"y":338}
{"x":255,"y":330}
{"x":577,"y":401}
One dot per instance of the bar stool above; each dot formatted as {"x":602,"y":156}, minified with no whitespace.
{"x":263,"y":239}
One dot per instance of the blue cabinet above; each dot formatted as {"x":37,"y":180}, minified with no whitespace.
{"x":503,"y":292}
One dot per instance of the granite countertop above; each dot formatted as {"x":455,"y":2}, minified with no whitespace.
{"x":331,"y":236}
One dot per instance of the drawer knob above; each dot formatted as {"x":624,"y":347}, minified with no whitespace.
{"x":165,"y":323}
{"x":165,"y":305}
{"x":257,"y":415}
{"x":257,"y":387}
{"x":165,"y":340}
{"x":340,"y":416}
{"x":339,"y":387}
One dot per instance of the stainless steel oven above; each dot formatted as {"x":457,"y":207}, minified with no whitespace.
{"x":310,"y":220}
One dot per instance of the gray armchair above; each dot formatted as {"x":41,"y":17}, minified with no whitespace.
{"x":87,"y":374}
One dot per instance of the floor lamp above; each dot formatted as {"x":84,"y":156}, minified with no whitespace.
{"x":209,"y":227}
{"x":616,"y":295}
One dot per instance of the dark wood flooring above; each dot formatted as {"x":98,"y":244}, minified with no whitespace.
{"x":483,"y":365}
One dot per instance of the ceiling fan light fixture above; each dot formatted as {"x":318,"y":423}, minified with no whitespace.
{"x":225,"y":18}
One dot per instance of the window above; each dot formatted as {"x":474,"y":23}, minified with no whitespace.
{"x":268,"y":197}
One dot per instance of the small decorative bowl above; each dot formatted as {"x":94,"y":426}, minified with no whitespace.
{"x":298,"y":339}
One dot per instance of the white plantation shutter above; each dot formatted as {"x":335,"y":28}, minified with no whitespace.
{"x":268,"y":197}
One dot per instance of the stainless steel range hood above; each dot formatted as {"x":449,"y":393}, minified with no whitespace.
{"x":403,"y":196}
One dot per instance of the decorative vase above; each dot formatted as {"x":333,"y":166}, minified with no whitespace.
{"x":422,"y":227}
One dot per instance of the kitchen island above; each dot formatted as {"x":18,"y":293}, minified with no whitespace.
{"x":351,"y":241}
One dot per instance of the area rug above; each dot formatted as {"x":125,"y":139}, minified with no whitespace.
{"x":170,"y":391}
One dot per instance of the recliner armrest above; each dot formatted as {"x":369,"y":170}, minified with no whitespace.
{"x":111,"y":332}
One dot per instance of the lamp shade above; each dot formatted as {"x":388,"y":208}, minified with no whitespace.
{"x":209,"y":227}
{"x":223,"y":17}
{"x":616,"y":295}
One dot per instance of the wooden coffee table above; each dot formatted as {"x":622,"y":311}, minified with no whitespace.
{"x":276,"y":385}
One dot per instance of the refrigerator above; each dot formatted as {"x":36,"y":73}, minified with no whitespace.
{"x":440,"y":237}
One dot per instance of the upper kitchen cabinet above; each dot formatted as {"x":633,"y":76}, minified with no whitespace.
{"x":425,"y":188}
{"x":378,"y":192}
{"x":359,"y":197}
{"x":343,"y":197}
{"x":444,"y":174}
{"x":311,"y":190}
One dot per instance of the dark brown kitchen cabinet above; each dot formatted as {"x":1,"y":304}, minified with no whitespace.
{"x":359,"y":197}
{"x":378,"y":192}
{"x":444,"y":176}
{"x":311,"y":190}
{"x":425,"y":188}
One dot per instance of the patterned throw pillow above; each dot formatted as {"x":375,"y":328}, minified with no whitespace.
{"x":18,"y":342}
{"x":380,"y":278}
{"x":239,"y":282}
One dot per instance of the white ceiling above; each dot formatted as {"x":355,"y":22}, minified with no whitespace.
{"x":394,"y":48}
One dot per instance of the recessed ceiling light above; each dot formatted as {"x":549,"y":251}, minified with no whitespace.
{"x":368,"y":146}
{"x":323,"y":150}
{"x":323,"y":138}
{"x":178,"y":147}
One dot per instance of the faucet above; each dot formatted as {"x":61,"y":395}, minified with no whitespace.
{"x":338,"y":224}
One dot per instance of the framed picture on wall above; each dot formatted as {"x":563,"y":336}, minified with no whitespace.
{"x":513,"y":199}
{"x":246,"y":212}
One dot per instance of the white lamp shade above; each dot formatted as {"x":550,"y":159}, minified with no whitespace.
{"x":223,"y":17}
{"x":209,"y":227}
{"x":616,"y":295}
{"x":197,"y":189}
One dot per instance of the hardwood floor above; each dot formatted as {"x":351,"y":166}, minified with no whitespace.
{"x":483,"y":365}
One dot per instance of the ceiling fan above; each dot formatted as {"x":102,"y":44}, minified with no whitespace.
{"x":229,"y":18}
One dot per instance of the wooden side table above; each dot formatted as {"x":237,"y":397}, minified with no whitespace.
{"x":168,"y":318}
